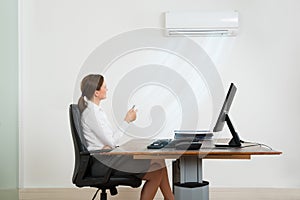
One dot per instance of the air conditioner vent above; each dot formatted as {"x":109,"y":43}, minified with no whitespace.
{"x":202,"y":24}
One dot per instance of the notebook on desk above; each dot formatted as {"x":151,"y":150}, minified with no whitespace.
{"x":195,"y":134}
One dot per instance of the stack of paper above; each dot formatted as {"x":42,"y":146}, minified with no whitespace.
{"x":193,"y":134}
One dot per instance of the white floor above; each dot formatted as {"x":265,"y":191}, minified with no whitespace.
{"x":132,"y":194}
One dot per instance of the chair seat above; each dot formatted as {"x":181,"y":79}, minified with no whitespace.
{"x":97,"y":182}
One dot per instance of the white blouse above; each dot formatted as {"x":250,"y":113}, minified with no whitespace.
{"x":97,"y":130}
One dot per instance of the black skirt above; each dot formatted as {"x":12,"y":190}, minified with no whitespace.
{"x":121,"y":165}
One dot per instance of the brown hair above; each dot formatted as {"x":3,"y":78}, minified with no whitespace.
{"x":89,"y":85}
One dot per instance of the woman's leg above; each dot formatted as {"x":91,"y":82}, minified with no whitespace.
{"x":153,"y":180}
{"x":165,"y":185}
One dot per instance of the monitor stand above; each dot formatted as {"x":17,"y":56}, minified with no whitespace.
{"x":235,"y":140}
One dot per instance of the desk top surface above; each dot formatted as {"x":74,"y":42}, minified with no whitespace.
{"x":138,"y":147}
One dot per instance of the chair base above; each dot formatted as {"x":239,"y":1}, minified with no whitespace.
{"x":103,"y":195}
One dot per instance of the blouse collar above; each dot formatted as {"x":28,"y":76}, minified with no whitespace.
{"x":92,"y":105}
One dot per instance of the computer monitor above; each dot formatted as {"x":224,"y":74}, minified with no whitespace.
{"x":224,"y":117}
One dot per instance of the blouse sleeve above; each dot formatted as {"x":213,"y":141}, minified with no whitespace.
{"x":101,"y":132}
{"x":106,"y":134}
{"x":118,"y":134}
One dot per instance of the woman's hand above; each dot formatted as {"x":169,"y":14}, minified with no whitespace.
{"x":130,"y":116}
{"x":106,"y":147}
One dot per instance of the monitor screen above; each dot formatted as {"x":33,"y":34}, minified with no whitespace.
{"x":224,"y":118}
{"x":225,"y":108}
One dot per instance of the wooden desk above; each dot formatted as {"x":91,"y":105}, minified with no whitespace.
{"x":190,"y":162}
{"x":138,"y":148}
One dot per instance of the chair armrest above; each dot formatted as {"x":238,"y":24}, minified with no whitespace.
{"x":85,"y":153}
{"x":110,"y":170}
{"x":85,"y":157}
{"x":108,"y":175}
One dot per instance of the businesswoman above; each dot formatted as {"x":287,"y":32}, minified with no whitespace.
{"x":99,"y":135}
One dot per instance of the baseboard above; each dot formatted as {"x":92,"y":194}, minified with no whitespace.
{"x":255,"y":193}
{"x":124,"y":193}
{"x":127,"y":193}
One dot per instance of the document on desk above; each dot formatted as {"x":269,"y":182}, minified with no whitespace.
{"x":196,"y":134}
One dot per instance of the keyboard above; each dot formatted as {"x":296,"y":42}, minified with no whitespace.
{"x":180,"y":144}
{"x":173,"y":143}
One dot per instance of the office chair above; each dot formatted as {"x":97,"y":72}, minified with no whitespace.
{"x":82,"y":176}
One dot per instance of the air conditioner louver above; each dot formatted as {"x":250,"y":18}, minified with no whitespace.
{"x":201,"y":24}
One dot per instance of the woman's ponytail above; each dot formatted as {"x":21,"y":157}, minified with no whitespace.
{"x":81,"y":104}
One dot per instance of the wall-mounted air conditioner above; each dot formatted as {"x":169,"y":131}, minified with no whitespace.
{"x":200,"y":24}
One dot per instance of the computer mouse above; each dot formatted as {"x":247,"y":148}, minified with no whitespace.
{"x":188,"y":146}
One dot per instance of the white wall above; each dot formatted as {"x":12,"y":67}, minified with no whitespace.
{"x":58,"y":35}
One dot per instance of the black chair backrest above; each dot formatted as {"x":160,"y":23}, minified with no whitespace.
{"x":76,"y":128}
{"x":77,"y":134}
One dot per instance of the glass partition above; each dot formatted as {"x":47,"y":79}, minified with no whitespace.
{"x":9,"y":171}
